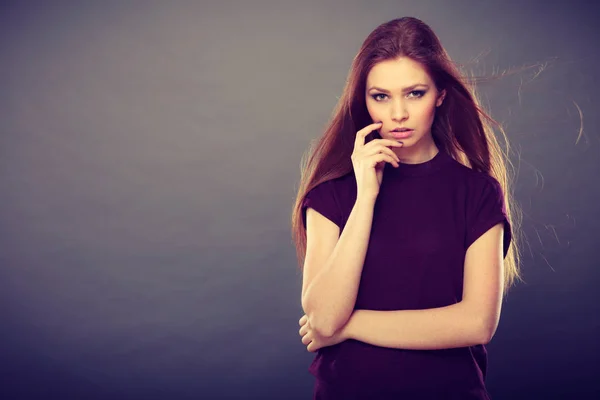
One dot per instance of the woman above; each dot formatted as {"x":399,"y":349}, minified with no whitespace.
{"x":403,"y":228}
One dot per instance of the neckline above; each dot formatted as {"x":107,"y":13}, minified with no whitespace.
{"x":418,"y":169}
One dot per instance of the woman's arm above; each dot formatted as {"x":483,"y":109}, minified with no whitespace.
{"x":331,"y":295}
{"x":469,"y":322}
{"x":430,"y":329}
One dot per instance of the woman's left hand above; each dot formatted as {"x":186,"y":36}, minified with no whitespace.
{"x":314,"y":340}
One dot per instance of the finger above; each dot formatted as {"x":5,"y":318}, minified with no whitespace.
{"x":378,"y":143}
{"x":361,"y":134}
{"x":303,"y":320}
{"x":382,"y":157}
{"x":386,"y":142}
{"x":380,"y":149}
{"x":306,"y":339}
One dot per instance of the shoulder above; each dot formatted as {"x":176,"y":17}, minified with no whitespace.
{"x":345,"y":180}
{"x":339,"y":186}
{"x":472,"y":179}
{"x":330,"y":198}
{"x":331,"y":191}
{"x":482,"y":191}
{"x":345,"y":187}
{"x":334,"y":186}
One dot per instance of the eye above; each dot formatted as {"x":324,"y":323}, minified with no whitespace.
{"x":416,"y":94}
{"x":374,"y":96}
{"x":420,"y":93}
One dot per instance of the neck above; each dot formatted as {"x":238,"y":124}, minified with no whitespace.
{"x":417,"y":154}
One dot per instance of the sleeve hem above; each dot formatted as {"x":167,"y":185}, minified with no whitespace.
{"x":476,"y":234}
{"x":307,"y":203}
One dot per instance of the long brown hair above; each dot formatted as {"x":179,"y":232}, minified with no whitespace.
{"x":461,"y":127}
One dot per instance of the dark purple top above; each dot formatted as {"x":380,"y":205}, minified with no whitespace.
{"x":425,"y":217}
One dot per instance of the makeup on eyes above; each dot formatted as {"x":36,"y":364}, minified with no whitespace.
{"x":404,"y":90}
{"x":420,"y":93}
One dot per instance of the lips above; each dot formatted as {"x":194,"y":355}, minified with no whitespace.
{"x":401,"y":134}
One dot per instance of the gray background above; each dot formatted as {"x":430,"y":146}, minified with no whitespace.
{"x":149,"y":159}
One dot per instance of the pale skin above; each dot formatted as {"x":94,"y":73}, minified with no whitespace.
{"x":475,"y":318}
{"x":408,"y":98}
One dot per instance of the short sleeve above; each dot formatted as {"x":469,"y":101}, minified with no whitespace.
{"x":322,"y":198}
{"x":486,"y":208}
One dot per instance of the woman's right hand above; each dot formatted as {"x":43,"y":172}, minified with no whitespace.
{"x":369,"y":161}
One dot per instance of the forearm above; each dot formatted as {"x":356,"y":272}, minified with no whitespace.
{"x":429,"y":329}
{"x":331,"y":296}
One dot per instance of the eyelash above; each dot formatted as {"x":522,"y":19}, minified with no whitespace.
{"x":420,"y":92}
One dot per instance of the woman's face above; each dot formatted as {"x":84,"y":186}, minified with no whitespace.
{"x":401,"y":94}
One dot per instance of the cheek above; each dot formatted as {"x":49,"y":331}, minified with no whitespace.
{"x":370,"y":108}
{"x":374,"y":111}
{"x":427,"y":112}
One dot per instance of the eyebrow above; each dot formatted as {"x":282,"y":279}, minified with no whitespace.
{"x":406,"y":89}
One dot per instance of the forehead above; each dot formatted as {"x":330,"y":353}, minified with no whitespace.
{"x":397,"y":73}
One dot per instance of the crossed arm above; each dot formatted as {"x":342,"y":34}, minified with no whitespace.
{"x":471,"y":321}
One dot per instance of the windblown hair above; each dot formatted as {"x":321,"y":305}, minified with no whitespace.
{"x":461,"y":127}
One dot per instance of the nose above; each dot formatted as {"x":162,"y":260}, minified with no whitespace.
{"x":399,"y":111}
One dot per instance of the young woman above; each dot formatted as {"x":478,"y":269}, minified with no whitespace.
{"x":403,"y":228}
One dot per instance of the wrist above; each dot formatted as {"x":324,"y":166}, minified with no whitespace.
{"x":365,"y":201}
{"x":348,"y":329}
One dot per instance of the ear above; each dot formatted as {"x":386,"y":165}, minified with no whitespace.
{"x":440,"y":98}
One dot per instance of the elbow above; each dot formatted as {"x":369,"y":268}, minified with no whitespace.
{"x":484,"y":338}
{"x":486,"y":332}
